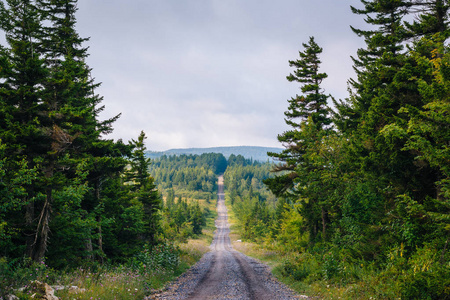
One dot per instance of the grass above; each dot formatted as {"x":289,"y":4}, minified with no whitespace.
{"x":125,"y":283}
{"x":120,"y":282}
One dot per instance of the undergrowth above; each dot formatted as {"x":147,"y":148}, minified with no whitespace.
{"x":147,"y":271}
{"x":334,"y":275}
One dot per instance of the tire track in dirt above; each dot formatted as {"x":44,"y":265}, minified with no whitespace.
{"x":224,"y":273}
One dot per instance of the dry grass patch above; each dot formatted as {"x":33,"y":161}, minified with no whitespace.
{"x":193,"y":250}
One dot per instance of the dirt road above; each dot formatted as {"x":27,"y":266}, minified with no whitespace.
{"x":224,"y":273}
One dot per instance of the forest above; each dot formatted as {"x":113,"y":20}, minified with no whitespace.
{"x":363,"y":185}
{"x":355,"y":206}
{"x":73,"y":202}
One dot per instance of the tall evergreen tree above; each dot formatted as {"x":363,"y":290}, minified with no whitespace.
{"x":388,"y":83}
{"x":144,"y":187}
{"x":74,"y":109}
{"x":431,"y":18}
{"x":311,"y":104}
{"x":308,"y":116}
{"x":23,"y":73}
{"x":377,"y":64}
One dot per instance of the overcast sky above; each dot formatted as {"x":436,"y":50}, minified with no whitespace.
{"x":205,"y":73}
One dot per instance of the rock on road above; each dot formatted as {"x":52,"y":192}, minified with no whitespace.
{"x":224,"y":273}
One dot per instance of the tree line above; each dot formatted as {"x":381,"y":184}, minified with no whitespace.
{"x":191,"y":176}
{"x":366,"y":180}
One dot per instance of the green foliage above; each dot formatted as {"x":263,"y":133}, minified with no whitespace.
{"x":191,"y":176}
{"x":253,"y":153}
{"x":302,"y":267}
{"x":13,"y":176}
{"x":184,"y":180}
{"x":160,"y":258}
{"x":148,"y":202}
{"x":251,"y":201}
{"x":290,"y":233}
{"x":182,"y":219}
{"x":20,"y":272}
{"x":425,"y":276}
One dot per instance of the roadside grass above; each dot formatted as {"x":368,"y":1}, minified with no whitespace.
{"x":125,"y":283}
{"x":109,"y":282}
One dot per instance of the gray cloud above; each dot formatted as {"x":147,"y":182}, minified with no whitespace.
{"x":210,"y":72}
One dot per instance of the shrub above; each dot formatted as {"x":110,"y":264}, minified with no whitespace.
{"x":427,"y":276}
{"x":302,"y":267}
{"x":160,"y":258}
{"x":20,"y":272}
{"x":431,"y":284}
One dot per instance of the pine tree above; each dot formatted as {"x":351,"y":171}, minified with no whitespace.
{"x":144,"y":187}
{"x":23,"y":73}
{"x":311,"y":104}
{"x":308,"y":117}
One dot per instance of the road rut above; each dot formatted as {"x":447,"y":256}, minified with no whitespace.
{"x":224,"y":273}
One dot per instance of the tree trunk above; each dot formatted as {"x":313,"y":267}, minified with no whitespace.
{"x":324,"y":224}
{"x":29,"y":217}
{"x":89,"y":249}
{"x":42,"y":231}
{"x":98,"y":187}
{"x":100,"y":238}
{"x":43,"y":228}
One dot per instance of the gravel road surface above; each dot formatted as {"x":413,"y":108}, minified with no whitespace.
{"x":224,"y":273}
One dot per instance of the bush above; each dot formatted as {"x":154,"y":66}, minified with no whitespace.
{"x":302,"y":267}
{"x":427,"y":276}
{"x":160,"y":258}
{"x":16,"y":273}
{"x":430,"y":285}
{"x":330,"y":267}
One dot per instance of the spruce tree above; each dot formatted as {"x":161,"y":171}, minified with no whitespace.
{"x":307,"y":115}
{"x":374,"y":120}
{"x":74,"y":111}
{"x":23,"y":73}
{"x":431,"y":18}
{"x":376,"y":64}
{"x":385,"y":83}
{"x":311,"y":104}
{"x":144,"y":188}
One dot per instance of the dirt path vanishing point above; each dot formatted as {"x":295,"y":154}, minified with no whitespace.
{"x":224,"y":273}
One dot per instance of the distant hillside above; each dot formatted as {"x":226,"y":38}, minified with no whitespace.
{"x":250,"y":152}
